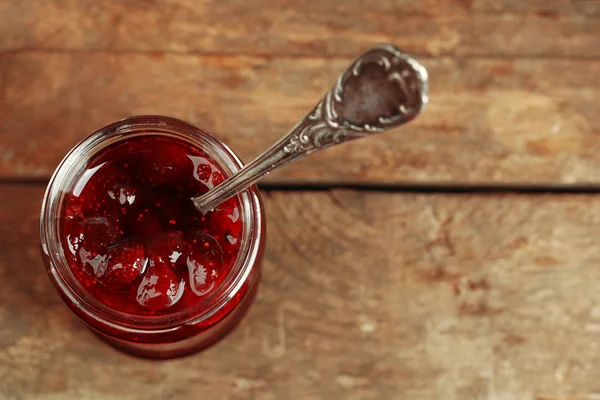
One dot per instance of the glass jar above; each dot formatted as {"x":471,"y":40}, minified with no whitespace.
{"x":157,"y":336}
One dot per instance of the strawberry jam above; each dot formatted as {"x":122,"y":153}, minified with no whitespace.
{"x":128,"y":252}
{"x":131,"y":234}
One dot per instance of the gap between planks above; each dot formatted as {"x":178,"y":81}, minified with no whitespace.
{"x":292,"y":56}
{"x":446,"y":187}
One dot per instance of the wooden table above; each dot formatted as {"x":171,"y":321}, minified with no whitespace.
{"x":456,"y":258}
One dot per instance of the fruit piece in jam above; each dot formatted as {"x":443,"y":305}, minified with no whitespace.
{"x":132,"y":236}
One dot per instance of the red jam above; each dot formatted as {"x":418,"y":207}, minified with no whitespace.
{"x":132,"y":236}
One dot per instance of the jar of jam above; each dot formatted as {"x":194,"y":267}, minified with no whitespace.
{"x":128,"y":252}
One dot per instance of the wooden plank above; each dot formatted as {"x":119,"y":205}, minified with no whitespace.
{"x":558,"y":28}
{"x":365,"y":296}
{"x":489,"y":121}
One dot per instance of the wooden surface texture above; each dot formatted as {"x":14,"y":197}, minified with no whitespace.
{"x":364,"y":296}
{"x":432,"y":287}
{"x":514,"y":86}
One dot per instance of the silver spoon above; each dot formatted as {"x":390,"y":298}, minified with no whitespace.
{"x":384,"y":88}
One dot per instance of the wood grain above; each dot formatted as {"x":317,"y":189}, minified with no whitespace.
{"x":489,"y":121}
{"x":365,"y":296}
{"x":558,"y":28}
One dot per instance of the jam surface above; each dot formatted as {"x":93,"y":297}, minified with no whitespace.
{"x":132,"y":235}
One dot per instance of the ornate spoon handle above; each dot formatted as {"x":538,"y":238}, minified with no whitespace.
{"x":382,"y":89}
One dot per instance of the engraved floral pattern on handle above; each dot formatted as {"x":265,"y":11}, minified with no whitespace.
{"x":343,"y":114}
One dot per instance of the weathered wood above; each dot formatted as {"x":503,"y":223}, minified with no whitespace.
{"x":335,"y":27}
{"x":489,"y":121}
{"x":365,"y":296}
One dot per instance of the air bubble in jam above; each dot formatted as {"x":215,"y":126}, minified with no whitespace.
{"x":132,"y":236}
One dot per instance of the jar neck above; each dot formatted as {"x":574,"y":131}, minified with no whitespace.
{"x":71,"y":168}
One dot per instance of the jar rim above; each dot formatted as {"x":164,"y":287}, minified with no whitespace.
{"x":72,"y":165}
